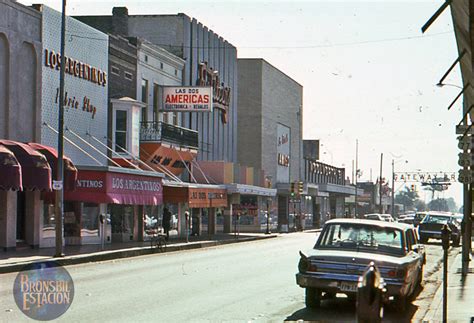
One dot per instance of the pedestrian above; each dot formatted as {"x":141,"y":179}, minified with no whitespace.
{"x":166,"y":222}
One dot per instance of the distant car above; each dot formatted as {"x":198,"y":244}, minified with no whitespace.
{"x":432,"y":224}
{"x":387,"y":217}
{"x":374,"y":216}
{"x":419,"y":216}
{"x":345,"y":248}
{"x":408,"y":219}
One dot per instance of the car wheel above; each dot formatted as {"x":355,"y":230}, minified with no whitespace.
{"x":401,"y":304}
{"x":313,"y":297}
{"x":419,"y":280}
{"x":456,"y":242}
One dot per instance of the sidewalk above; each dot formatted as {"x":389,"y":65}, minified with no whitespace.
{"x":460,"y":295}
{"x":13,"y":261}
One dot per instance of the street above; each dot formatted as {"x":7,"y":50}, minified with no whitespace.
{"x":252,"y":281}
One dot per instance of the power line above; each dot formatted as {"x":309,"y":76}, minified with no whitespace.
{"x":364,"y":42}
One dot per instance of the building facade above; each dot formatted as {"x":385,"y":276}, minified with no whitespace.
{"x":20,"y":120}
{"x":270,"y":109}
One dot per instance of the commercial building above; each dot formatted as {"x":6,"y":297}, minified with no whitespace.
{"x":270,"y":111}
{"x":20,"y":96}
{"x":209,"y":61}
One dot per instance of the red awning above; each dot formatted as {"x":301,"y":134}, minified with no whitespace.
{"x":35,"y":170}
{"x":70,"y":171}
{"x":113,"y":187}
{"x":10,"y":171}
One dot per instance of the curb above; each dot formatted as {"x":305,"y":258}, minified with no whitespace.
{"x":126,"y":253}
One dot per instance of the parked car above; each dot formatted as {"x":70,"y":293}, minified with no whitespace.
{"x":345,"y":248}
{"x":432,"y":224}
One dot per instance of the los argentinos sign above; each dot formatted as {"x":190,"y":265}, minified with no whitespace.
{"x":187,"y":99}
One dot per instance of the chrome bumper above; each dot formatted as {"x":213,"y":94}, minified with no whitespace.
{"x":327,"y":282}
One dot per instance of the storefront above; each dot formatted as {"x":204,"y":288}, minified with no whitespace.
{"x":26,"y":174}
{"x":250,"y":206}
{"x":205,"y":204}
{"x":122,"y":195}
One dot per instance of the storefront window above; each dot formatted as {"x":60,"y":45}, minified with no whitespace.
{"x":152,"y":218}
{"x":90,"y":220}
{"x":121,"y":217}
{"x":48,"y":221}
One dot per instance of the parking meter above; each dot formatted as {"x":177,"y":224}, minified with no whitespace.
{"x":370,"y":292}
{"x":445,"y":234}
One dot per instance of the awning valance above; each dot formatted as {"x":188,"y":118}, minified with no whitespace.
{"x":35,"y":170}
{"x":197,"y":196}
{"x":10,"y":170}
{"x":70,"y":171}
{"x":114,"y":187}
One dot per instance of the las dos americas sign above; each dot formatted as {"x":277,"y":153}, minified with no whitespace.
{"x":426,"y":177}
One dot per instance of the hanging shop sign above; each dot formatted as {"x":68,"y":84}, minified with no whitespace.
{"x":425,"y":177}
{"x":187,"y":99}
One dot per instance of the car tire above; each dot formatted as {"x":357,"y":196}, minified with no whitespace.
{"x":313,"y":297}
{"x":401,"y":304}
{"x":419,"y":279}
{"x":456,"y":242}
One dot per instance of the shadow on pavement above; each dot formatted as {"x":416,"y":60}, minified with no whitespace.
{"x":341,"y":309}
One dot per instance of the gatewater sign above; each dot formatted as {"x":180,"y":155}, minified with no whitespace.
{"x":43,"y":291}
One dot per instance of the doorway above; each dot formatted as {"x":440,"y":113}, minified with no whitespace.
{"x":20,"y":217}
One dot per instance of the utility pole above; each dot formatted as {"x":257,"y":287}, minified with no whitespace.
{"x":58,"y":205}
{"x":356,"y":175}
{"x":392,"y":207}
{"x":380,"y":184}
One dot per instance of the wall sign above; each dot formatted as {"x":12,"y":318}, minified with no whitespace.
{"x":283,"y":153}
{"x":75,"y":68}
{"x":207,"y":76}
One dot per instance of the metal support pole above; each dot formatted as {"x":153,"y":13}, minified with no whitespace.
{"x":356,"y":176}
{"x":445,"y":286}
{"x":380,"y":184}
{"x":393,"y":189}
{"x":268,"y":217}
{"x":58,"y":205}
{"x":467,"y":226}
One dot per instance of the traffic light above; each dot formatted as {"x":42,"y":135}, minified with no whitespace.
{"x":292,"y":189}
{"x":300,"y":188}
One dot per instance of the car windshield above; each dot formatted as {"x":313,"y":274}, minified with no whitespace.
{"x":372,"y":238}
{"x":437,"y":219}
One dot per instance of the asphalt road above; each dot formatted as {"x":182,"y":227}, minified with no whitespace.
{"x":253,"y":281}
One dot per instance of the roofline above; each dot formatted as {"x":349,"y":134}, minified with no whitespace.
{"x":268,"y":63}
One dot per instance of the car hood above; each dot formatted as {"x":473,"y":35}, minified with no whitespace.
{"x":355,"y":257}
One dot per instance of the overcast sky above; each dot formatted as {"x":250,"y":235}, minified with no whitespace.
{"x":367,"y":71}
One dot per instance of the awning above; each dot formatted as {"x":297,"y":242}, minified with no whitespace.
{"x":70,"y":171}
{"x":113,"y":185}
{"x":10,"y":171}
{"x":35,"y":170}
{"x":196,"y":195}
{"x":250,"y":190}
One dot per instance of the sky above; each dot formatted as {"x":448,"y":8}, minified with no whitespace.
{"x":367,"y":71}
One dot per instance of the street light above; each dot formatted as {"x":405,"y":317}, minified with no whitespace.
{"x":448,"y":84}
{"x":393,"y":187}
